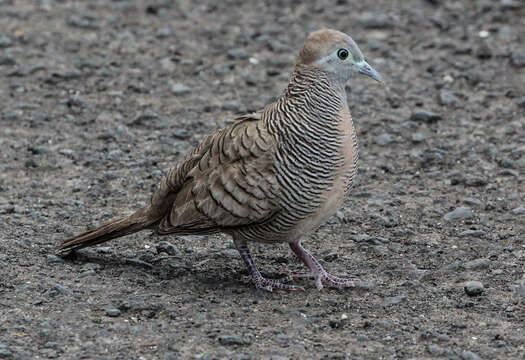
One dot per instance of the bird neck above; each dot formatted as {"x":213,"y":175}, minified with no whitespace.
{"x":311,"y":113}
{"x":314,"y":97}
{"x":307,"y":79}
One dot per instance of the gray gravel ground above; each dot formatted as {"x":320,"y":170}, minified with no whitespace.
{"x":99,"y":98}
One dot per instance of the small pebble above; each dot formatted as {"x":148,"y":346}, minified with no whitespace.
{"x":6,"y":61}
{"x":384,"y":139}
{"x":394,"y":300}
{"x":469,"y":355}
{"x":229,"y":340}
{"x":179,"y":89}
{"x":483,"y":34}
{"x":54,"y":258}
{"x":5,"y":352}
{"x":435,"y":349}
{"x":5,"y":41}
{"x":168,"y":248}
{"x":112,"y":311}
{"x":163,"y":33}
{"x":480,"y":263}
{"x":473,"y":288}
{"x":83,"y":21}
{"x":417,"y":137}
{"x":447,"y":98}
{"x":425,"y":116}
{"x":519,"y":210}
{"x":472,"y":233}
{"x":517,"y":59}
{"x":472,"y":202}
{"x":511,"y":4}
{"x":460,"y":213}
{"x":238,"y":54}
{"x":372,"y":20}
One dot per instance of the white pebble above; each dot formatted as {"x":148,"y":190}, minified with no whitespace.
{"x":483,"y":34}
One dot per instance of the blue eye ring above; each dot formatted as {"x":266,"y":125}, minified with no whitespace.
{"x":342,"y":54}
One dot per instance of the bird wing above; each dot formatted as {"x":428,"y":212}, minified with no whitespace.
{"x":227,"y":182}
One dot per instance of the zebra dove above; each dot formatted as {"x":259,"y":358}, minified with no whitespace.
{"x":271,"y":176}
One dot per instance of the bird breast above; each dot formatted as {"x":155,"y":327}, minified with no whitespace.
{"x":333,"y":197}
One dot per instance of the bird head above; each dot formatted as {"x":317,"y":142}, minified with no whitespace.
{"x":335,"y":53}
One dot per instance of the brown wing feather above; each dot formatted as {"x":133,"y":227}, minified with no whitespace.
{"x":228,"y":182}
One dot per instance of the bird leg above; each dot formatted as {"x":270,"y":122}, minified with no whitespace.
{"x":317,"y":271}
{"x":255,"y":276}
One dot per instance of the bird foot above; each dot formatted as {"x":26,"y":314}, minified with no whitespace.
{"x":323,"y":277}
{"x":261,"y":282}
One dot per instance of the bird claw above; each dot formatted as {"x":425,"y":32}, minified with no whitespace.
{"x":334,"y":281}
{"x":261,"y":282}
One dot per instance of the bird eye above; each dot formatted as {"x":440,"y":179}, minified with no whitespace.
{"x":342,"y":54}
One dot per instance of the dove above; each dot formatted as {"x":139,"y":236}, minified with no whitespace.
{"x":272,"y":176}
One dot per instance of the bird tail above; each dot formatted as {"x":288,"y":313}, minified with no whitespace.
{"x":135,"y":222}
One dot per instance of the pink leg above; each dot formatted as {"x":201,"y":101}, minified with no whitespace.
{"x":255,"y":276}
{"x":318,"y":272}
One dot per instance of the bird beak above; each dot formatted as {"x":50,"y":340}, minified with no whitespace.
{"x":367,"y":70}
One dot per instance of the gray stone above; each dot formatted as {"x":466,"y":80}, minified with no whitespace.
{"x":394,"y":300}
{"x":519,"y":210}
{"x":447,"y":98}
{"x":364,"y":285}
{"x":469,"y":355}
{"x":472,"y":202}
{"x":431,"y":157}
{"x":230,"y":253}
{"x":179,"y":89}
{"x":112,"y":311}
{"x":483,"y":5}
{"x":167,"y":65}
{"x":506,"y":162}
{"x":440,"y":21}
{"x":221,"y":69}
{"x":509,"y":172}
{"x":417,"y":137}
{"x":425,"y":116}
{"x":144,"y":118}
{"x":474,"y":288}
{"x":54,"y":258}
{"x":83,"y":21}
{"x":163,"y":33}
{"x":472,"y":233}
{"x":56,"y":290}
{"x":511,"y":4}
{"x":5,"y":41}
{"x":517,"y":59}
{"x":484,"y":51}
{"x":231,"y":105}
{"x":69,"y":153}
{"x":7,"y":61}
{"x":435,"y":349}
{"x":371,"y":20}
{"x":168,"y":248}
{"x":481,"y":263}
{"x":238,"y":54}
{"x":475,"y":181}
{"x":51,"y":345}
{"x":384,"y":139}
{"x":362,"y":338}
{"x":181,"y":134}
{"x":5,"y":352}
{"x":229,"y":340}
{"x":460,"y":213}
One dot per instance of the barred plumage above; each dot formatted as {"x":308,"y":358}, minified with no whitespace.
{"x":272,"y":176}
